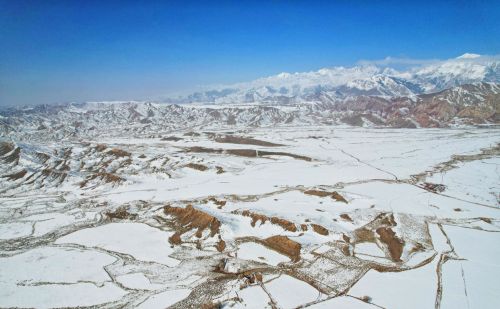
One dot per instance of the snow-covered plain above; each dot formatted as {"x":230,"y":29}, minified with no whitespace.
{"x":331,"y":217}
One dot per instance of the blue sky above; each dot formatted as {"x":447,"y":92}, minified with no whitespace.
{"x":58,"y":51}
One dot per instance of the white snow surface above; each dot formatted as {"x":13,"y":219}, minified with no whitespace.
{"x":61,"y":246}
{"x":56,"y":277}
{"x":164,"y":299}
{"x":290,"y":292}
{"x":259,"y":253}
{"x":137,"y":239}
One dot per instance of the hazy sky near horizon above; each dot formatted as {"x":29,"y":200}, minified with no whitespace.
{"x":59,"y":51}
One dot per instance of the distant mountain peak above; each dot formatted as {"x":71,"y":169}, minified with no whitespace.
{"x":340,"y":83}
{"x":469,"y":56}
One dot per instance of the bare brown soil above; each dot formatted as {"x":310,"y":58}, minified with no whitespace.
{"x":319,"y":229}
{"x":285,"y":224}
{"x":14,"y":155}
{"x":175,"y":239}
{"x":43,"y":157}
{"x":196,"y":166}
{"x":119,"y":153}
{"x":338,"y":197}
{"x":366,"y":299}
{"x":285,"y":246}
{"x":255,"y":217}
{"x":230,"y":139}
{"x":364,"y":235}
{"x":385,"y":219}
{"x":381,"y":228}
{"x":211,"y":306}
{"x":318,"y":193}
{"x":120,"y":213}
{"x":221,"y":245}
{"x":15,"y":176}
{"x":258,"y":277}
{"x":199,"y":149}
{"x":190,"y":218}
{"x":394,"y":243}
{"x":334,"y":195}
{"x":433,"y":187}
{"x":346,"y":217}
{"x":192,"y":134}
{"x":345,"y":250}
{"x":103,"y":176}
{"x":249,"y":153}
{"x":346,"y":238}
{"x":100,"y":147}
{"x":220,"y":203}
{"x":285,"y":154}
{"x":5,"y":148}
{"x":487,"y":220}
{"x":54,"y":174}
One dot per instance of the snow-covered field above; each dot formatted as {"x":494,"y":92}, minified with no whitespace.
{"x":325,"y":217}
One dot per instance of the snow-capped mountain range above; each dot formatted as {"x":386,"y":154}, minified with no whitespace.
{"x":339,"y":83}
{"x":457,"y":92}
